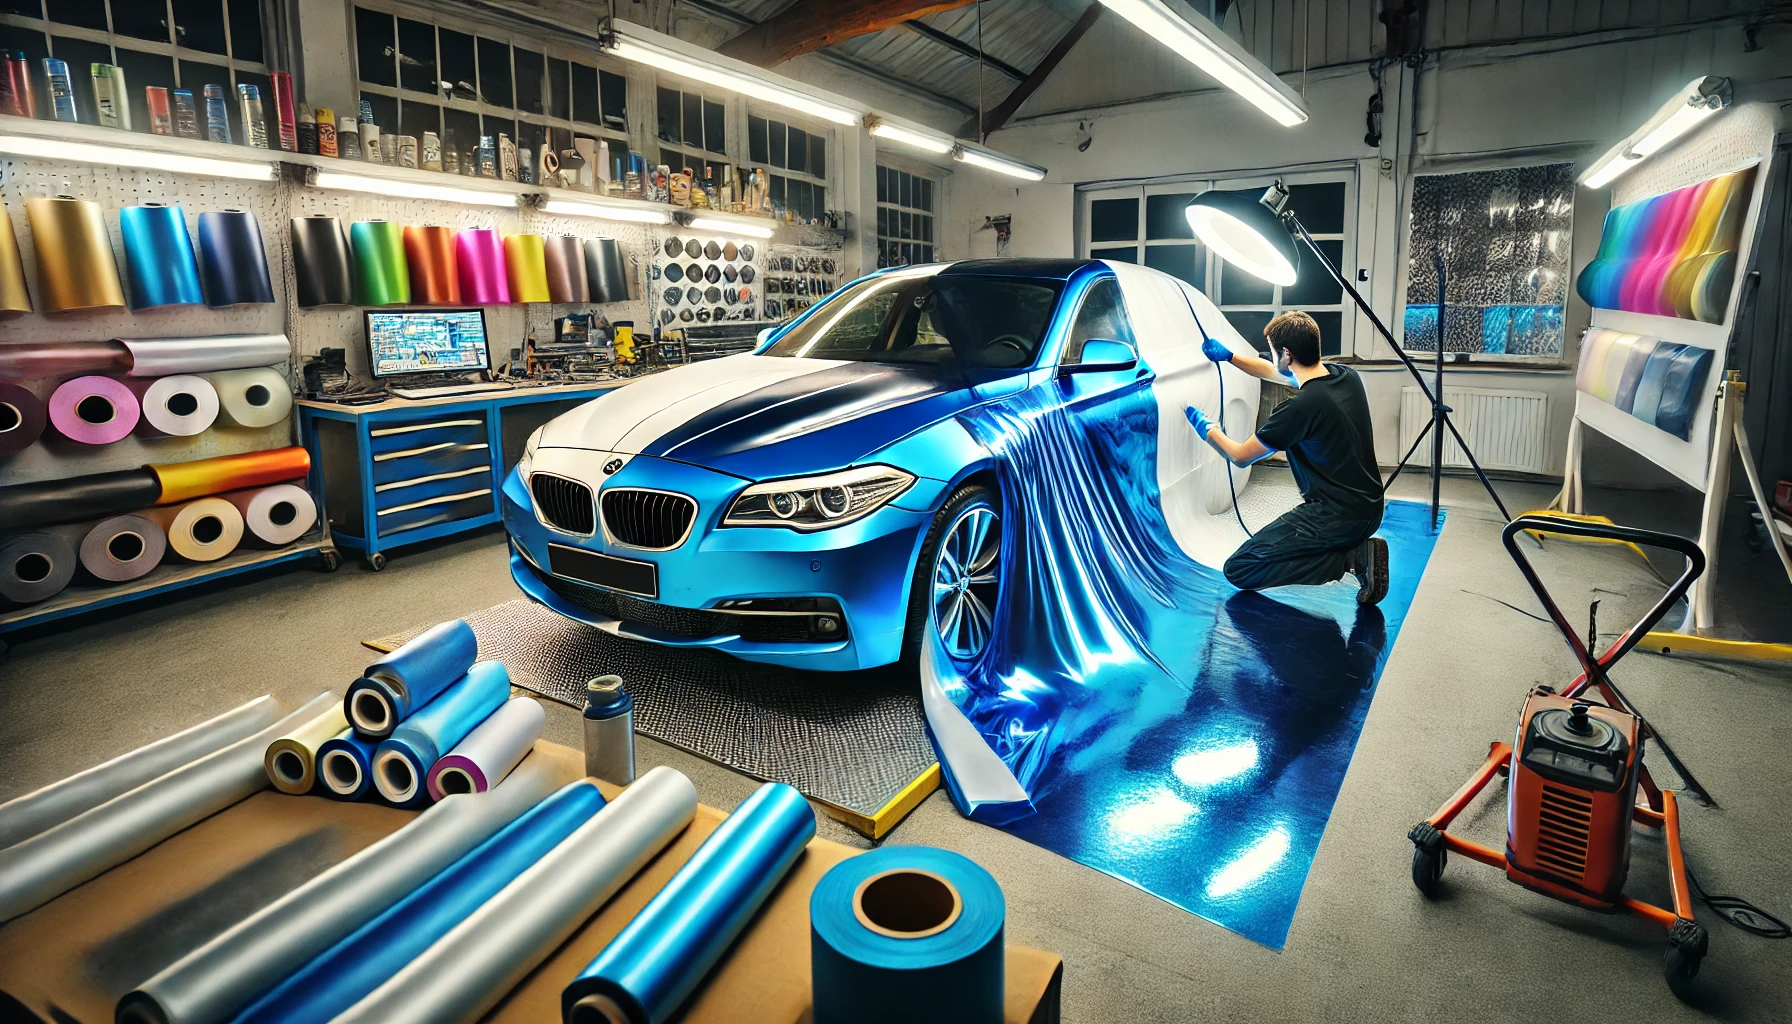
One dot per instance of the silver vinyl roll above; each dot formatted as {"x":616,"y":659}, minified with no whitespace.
{"x":468,"y":970}
{"x":160,"y":357}
{"x":56,"y":860}
{"x":26,"y":816}
{"x":217,"y":980}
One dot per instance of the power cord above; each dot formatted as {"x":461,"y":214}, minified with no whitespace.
{"x":1739,"y":912}
{"x":1220,"y":373}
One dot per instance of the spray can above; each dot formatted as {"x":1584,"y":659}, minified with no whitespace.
{"x":348,"y":138}
{"x":255,"y":130}
{"x":488,"y":157}
{"x":306,"y":129}
{"x":326,"y":132}
{"x":109,"y":96}
{"x":62,"y":91}
{"x":285,"y":111}
{"x":507,"y":158}
{"x":432,"y":152}
{"x":15,"y":88}
{"x":217,"y":114}
{"x":609,"y":731}
{"x":186,"y":114}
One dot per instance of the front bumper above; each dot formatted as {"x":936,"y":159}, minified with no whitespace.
{"x":864,"y":568}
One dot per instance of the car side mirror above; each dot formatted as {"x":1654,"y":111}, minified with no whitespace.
{"x":1102,"y":355}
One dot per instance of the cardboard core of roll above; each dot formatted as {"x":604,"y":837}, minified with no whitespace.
{"x":257,"y":395}
{"x":207,"y":529}
{"x":125,"y":547}
{"x":400,"y":781}
{"x":182,"y":403}
{"x":371,"y":712}
{"x":96,"y":409}
{"x":455,"y":780}
{"x":10,"y":417}
{"x":290,"y":767}
{"x":32,"y":568}
{"x":597,"y":1009}
{"x":340,"y":772}
{"x":906,"y":903}
{"x":282,"y":513}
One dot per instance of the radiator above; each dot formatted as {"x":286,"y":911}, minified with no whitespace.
{"x":1507,"y":429}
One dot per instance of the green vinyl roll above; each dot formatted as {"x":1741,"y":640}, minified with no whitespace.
{"x":382,"y":275}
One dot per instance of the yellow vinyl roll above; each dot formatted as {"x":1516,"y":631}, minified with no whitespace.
{"x":526,"y":260}
{"x":258,"y":397}
{"x":199,"y":531}
{"x":75,"y":265}
{"x":184,"y":481}
{"x":14,"y":298}
{"x":291,"y":760}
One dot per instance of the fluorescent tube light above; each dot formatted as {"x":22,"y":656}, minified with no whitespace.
{"x":729,"y":227}
{"x":1689,"y":108}
{"x":407,"y":189}
{"x":146,"y":159}
{"x":640,"y":52}
{"x":605,"y":211}
{"x":999,"y":164}
{"x":1202,"y":44}
{"x":925,"y":143}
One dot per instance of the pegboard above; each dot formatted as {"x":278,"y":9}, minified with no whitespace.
{"x":1734,"y":139}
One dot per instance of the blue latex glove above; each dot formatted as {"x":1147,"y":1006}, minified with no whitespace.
{"x":1199,"y":420}
{"x":1216,"y":350}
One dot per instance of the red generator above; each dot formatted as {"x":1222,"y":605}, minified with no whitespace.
{"x":1575,"y":779}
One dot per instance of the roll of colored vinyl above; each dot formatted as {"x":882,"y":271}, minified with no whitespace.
{"x":41,"y":810}
{"x":345,"y":766}
{"x":159,"y":357}
{"x":465,"y":972}
{"x":605,"y":271}
{"x":339,"y":977}
{"x":525,"y":263}
{"x":94,"y":410}
{"x":382,"y":275}
{"x":291,"y":760}
{"x":435,"y":277}
{"x":14,"y":297}
{"x":23,"y":417}
{"x":490,"y":751}
{"x":479,"y":257}
{"x":564,"y":258}
{"x":184,"y":481}
{"x":253,"y":398}
{"x":275,"y":516}
{"x":222,"y":977}
{"x":200,"y":531}
{"x":45,"y":866}
{"x":232,"y":259}
{"x":179,"y":406}
{"x":321,"y":266}
{"x":122,"y":548}
{"x":28,"y":506}
{"x":651,"y":967}
{"x":402,"y":761}
{"x":907,"y":933}
{"x":36,"y":566}
{"x":28,"y":359}
{"x":75,"y":266}
{"x":158,"y":256}
{"x":397,"y":685}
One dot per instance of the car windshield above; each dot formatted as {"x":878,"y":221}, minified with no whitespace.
{"x":922,"y":316}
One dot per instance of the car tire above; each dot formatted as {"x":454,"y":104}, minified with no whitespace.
{"x":962,"y":501}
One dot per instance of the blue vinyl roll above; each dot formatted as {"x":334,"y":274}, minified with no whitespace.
{"x":402,"y":761}
{"x":345,"y":766}
{"x":650,"y":968}
{"x":339,"y":977}
{"x":397,"y":685}
{"x":907,"y":933}
{"x":232,"y":261}
{"x":158,"y":256}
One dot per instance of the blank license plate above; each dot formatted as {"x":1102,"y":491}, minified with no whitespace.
{"x":624,"y":574}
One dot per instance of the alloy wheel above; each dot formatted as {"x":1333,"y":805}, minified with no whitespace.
{"x":965,"y":582}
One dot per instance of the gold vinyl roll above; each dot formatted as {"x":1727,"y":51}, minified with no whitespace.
{"x":199,"y":531}
{"x":291,"y":760}
{"x":14,"y":298}
{"x":184,"y":481}
{"x":75,"y":265}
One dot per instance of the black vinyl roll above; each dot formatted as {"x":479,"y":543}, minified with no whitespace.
{"x":605,"y":270}
{"x":28,"y":506}
{"x":321,"y":262}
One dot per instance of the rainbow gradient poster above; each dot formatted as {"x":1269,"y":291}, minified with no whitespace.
{"x":1675,"y":254}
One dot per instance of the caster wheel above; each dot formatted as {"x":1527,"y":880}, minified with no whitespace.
{"x":1681,"y":969}
{"x":1428,"y":869}
{"x":376,"y":561}
{"x":331,"y":560}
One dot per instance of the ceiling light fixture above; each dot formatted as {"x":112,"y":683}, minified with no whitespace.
{"x":998,"y":163}
{"x":404,"y":188}
{"x":1689,"y":107}
{"x":881,"y":129}
{"x":1202,"y":44}
{"x":604,"y":211}
{"x":631,"y":47}
{"x":146,"y":159}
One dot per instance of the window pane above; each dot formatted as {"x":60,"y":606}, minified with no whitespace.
{"x":1320,"y":207}
{"x":1113,"y":220}
{"x":142,"y":70}
{"x":199,"y":24}
{"x":559,"y":91}
{"x":1330,"y":332}
{"x":80,"y":54}
{"x":818,"y":156}
{"x":693,"y":119}
{"x":618,"y":159}
{"x":883,"y":221}
{"x":668,"y":103}
{"x":1238,"y":288}
{"x":776,"y":190}
{"x":29,"y":8}
{"x":374,"y":47}
{"x":926,"y":232}
{"x":416,"y":118}
{"x":531,"y":137}
{"x":927,"y":194}
{"x":883,"y":184}
{"x":385,"y":110}
{"x":416,"y":56}
{"x":777,"y":135}
{"x":585,"y":106}
{"x":715,"y":127}
{"x":1251,"y":326}
{"x":1102,"y":315}
{"x":615,"y":90}
{"x":756,"y":140}
{"x":531,"y":77}
{"x":1129,"y":254}
{"x":1182,"y":261}
{"x":196,"y":76}
{"x":460,"y":133}
{"x":1315,"y":287}
{"x":799,"y":150}
{"x":142,"y":19}
{"x":85,"y":13}
{"x":672,"y":158}
{"x":905,"y":188}
{"x":458,"y":70}
{"x":494,"y":73}
{"x":805,"y":208}
{"x":1164,"y":217}
{"x":905,"y":225}
{"x":245,"y":30}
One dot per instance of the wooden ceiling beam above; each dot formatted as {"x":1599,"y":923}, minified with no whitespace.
{"x":810,"y":24}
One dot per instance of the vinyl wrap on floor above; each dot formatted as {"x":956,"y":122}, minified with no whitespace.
{"x":490,"y":751}
{"x":402,"y":761}
{"x":345,"y":764}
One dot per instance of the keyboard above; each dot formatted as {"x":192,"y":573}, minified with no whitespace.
{"x":469,"y":387}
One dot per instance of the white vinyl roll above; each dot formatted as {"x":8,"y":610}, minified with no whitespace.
{"x":277,"y":515}
{"x":160,"y":357}
{"x":26,"y":816}
{"x":490,"y":751}
{"x":43,"y":867}
{"x":199,"y":531}
{"x":476,"y":964}
{"x":260,"y":397}
{"x":180,"y":406}
{"x":217,"y":980}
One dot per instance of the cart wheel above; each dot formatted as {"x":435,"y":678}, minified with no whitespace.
{"x":331,"y":560}
{"x":1428,"y":869}
{"x":1681,"y":968}
{"x":376,"y":561}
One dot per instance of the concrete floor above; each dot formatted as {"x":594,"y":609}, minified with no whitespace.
{"x":1364,"y":945}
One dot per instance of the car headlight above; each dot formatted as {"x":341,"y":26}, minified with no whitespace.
{"x":527,"y":462}
{"x":819,"y":502}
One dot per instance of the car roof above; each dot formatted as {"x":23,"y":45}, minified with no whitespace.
{"x":1044,"y":269}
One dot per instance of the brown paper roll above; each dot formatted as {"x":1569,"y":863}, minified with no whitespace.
{"x":75,"y":265}
{"x":199,"y":531}
{"x":14,"y":299}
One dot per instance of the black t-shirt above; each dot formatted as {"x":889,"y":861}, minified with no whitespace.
{"x":1326,"y":432}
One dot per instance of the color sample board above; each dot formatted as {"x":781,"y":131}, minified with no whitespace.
{"x":1658,"y":382}
{"x":1674,"y":254}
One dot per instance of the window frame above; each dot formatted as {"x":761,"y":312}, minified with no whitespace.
{"x":751,"y":110}
{"x":885,"y":207}
{"x":1065,"y":355}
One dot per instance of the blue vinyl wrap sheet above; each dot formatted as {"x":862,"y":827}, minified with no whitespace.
{"x":1164,"y":727}
{"x":158,"y":257}
{"x":339,"y":977}
{"x":426,"y":735}
{"x":360,"y":751}
{"x":232,"y":262}
{"x":657,"y":960}
{"x":411,"y":676}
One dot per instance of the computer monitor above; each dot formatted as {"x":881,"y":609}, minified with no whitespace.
{"x":402,"y":342}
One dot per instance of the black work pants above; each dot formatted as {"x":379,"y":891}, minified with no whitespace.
{"x":1310,"y":543}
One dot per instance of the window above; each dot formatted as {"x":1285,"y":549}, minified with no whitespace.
{"x":1103,"y":315}
{"x":176,"y":44}
{"x":693,"y":132}
{"x":904,"y":218}
{"x":422,"y":77}
{"x":801,"y":155}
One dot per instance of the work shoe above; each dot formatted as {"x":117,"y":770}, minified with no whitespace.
{"x":1369,"y":564}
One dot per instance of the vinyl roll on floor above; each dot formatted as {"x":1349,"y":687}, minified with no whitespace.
{"x":23,"y":417}
{"x":360,"y":963}
{"x":291,"y":760}
{"x":159,"y":357}
{"x":43,"y":809}
{"x":490,"y":751}
{"x":651,"y":967}
{"x":398,"y":684}
{"x":158,"y":256}
{"x":402,"y":761}
{"x":906,"y":933}
{"x":435,"y":278}
{"x":233,"y":263}
{"x":202,"y":530}
{"x":184,"y":481}
{"x":122,"y":548}
{"x":260,"y":397}
{"x":221,"y":978}
{"x":467,"y":970}
{"x":15,"y":298}
{"x":27,"y":506}
{"x":182,"y":405}
{"x":321,"y":265}
{"x":479,"y":258}
{"x":525,"y":263}
{"x":274,"y":516}
{"x":27,"y":359}
{"x":45,"y":866}
{"x":605,"y":270}
{"x":75,"y":266}
{"x":563,"y":257}
{"x":36,"y":566}
{"x":94,"y":410}
{"x":345,"y":765}
{"x":382,"y":275}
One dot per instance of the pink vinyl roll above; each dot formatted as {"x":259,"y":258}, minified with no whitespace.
{"x":94,"y":410}
{"x":479,"y":257}
{"x":488,"y":753}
